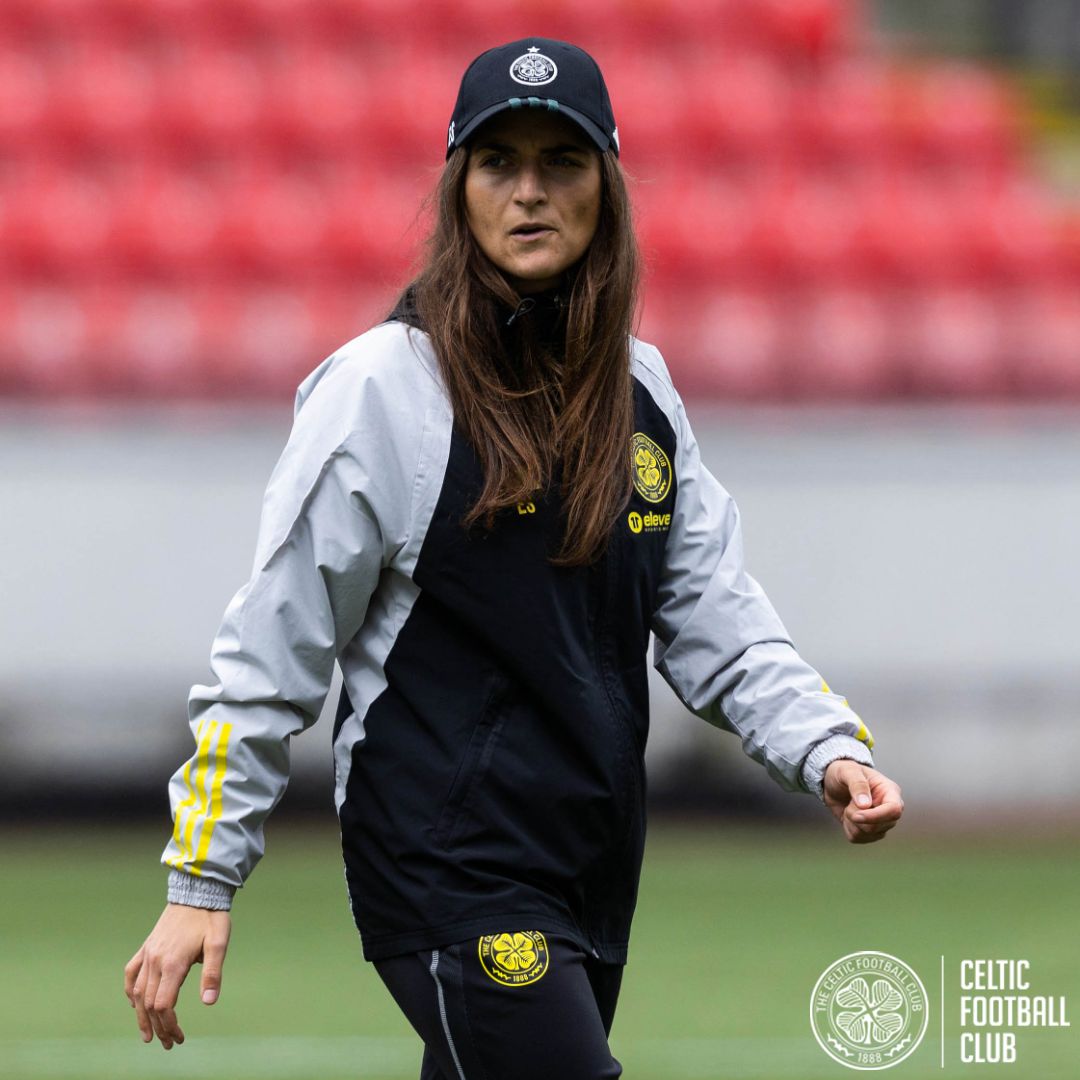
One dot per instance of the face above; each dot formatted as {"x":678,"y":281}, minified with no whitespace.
{"x":532,"y":195}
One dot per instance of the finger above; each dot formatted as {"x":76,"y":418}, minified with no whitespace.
{"x":886,"y":811}
{"x":862,"y":834}
{"x":145,"y":1027}
{"x":213,"y":961}
{"x":172,"y":978}
{"x":873,"y":819}
{"x":159,"y":1030}
{"x":170,"y":1030}
{"x":866,"y":838}
{"x":865,"y":833}
{"x":153,"y":981}
{"x":131,"y":973}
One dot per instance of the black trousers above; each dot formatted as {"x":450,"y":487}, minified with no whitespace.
{"x":519,"y":1005}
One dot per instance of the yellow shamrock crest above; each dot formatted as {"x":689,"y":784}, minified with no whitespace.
{"x":515,"y":958}
{"x":652,"y":470}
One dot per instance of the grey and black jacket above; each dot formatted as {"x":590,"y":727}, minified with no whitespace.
{"x":489,"y":742}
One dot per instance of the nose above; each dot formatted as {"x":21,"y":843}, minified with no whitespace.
{"x":529,"y":190}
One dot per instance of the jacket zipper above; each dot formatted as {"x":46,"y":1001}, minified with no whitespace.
{"x":626,"y":738}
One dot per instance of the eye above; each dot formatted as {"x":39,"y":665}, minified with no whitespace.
{"x":492,"y":161}
{"x":563,"y":161}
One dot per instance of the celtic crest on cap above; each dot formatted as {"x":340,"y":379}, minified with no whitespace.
{"x":534,"y":68}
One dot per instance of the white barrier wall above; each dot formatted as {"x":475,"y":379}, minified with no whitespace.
{"x":925,"y":560}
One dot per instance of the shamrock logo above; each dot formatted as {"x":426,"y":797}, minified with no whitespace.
{"x":517,"y":958}
{"x":868,"y":1010}
{"x":872,"y":1013}
{"x":514,"y":952}
{"x":652,"y":470}
{"x":648,"y":469}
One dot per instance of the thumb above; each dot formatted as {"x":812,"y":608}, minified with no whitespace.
{"x":859,"y":790}
{"x":210,"y":985}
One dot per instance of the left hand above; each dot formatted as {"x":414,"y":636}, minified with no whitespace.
{"x":865,"y":802}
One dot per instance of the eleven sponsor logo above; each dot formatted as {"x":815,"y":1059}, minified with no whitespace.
{"x":649,"y":522}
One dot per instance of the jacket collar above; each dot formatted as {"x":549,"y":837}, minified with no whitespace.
{"x":540,"y":312}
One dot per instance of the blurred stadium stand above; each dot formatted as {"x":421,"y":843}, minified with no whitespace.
{"x":202,"y":198}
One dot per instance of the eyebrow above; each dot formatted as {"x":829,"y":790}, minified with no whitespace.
{"x":504,"y":148}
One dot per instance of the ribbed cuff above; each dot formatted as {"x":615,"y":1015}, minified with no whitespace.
{"x":829,"y":750}
{"x":199,"y":891}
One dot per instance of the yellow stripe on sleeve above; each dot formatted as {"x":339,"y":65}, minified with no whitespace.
{"x":201,"y":767}
{"x":220,"y":761}
{"x":863,"y":735}
{"x":178,"y":837}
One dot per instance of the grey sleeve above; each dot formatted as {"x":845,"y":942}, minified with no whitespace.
{"x":723,"y":649}
{"x":334,"y":514}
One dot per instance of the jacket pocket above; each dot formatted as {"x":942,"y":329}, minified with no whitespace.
{"x":473,"y":766}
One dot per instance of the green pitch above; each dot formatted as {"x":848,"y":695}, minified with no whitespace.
{"x":733,"y":928}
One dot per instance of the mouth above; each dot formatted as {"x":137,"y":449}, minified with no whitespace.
{"x":531,"y":231}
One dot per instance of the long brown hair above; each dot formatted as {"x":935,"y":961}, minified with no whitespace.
{"x":544,"y":413}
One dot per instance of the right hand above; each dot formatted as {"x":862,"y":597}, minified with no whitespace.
{"x":152,"y":978}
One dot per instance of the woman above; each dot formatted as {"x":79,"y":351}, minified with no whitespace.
{"x":486,"y":505}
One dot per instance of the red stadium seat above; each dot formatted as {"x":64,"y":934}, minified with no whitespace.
{"x":505,"y":21}
{"x":1044,"y":340}
{"x":105,"y":94}
{"x":375,"y":226}
{"x":812,"y":28}
{"x":956,"y":111}
{"x":211,"y":94}
{"x":1010,"y":231}
{"x":11,"y":380}
{"x":278,"y":221}
{"x":65,"y":219}
{"x":50,"y":15}
{"x":952,"y":341}
{"x":640,"y":88}
{"x":47,"y":338}
{"x":812,"y":226}
{"x":845,"y":112}
{"x":738,"y":104}
{"x":707,"y":224}
{"x":272,"y":339}
{"x":724,"y":343}
{"x":841,"y":344}
{"x":285,"y":19}
{"x":719,"y":23}
{"x":25,"y":95}
{"x":910,"y":231}
{"x":156,"y":346}
{"x":386,"y":21}
{"x":173,"y":221}
{"x":170,"y":339}
{"x":403,"y":123}
{"x":320,"y":98}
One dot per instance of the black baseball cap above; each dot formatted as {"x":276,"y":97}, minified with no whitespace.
{"x":537,"y":73}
